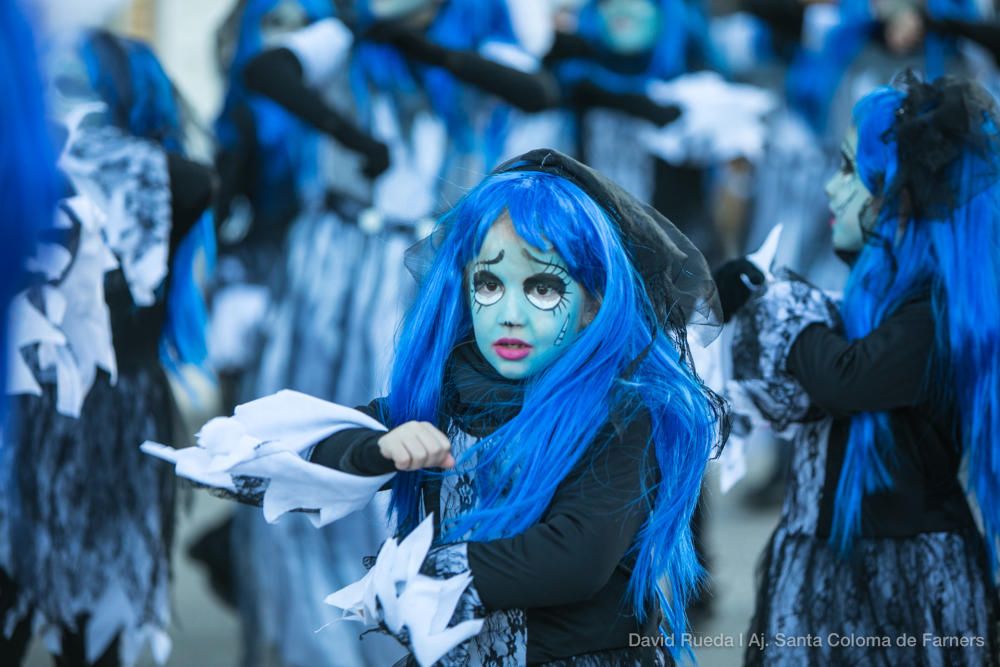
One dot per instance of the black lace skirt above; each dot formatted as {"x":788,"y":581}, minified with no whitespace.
{"x":89,"y":516}
{"x":925,"y":601}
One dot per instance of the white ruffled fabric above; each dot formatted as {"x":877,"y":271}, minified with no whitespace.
{"x":269,"y":439}
{"x":68,"y":320}
{"x":413,"y":607}
{"x":721,"y":121}
{"x":123,"y":211}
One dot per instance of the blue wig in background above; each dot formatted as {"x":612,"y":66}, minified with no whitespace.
{"x":142,"y":101}
{"x":459,"y":25}
{"x":952,"y":251}
{"x":284,"y":143}
{"x":814,"y":77}
{"x":683,"y":32}
{"x":28,"y":179}
{"x":518,"y":468}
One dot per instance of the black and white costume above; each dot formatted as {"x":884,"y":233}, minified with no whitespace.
{"x":919,"y":566}
{"x":85,"y":524}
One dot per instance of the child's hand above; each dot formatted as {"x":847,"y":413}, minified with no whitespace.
{"x":416,"y":445}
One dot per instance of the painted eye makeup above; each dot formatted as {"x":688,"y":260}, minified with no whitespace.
{"x":545,"y":291}
{"x":846,"y":163}
{"x":487,"y":288}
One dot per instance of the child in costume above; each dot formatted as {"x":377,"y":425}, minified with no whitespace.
{"x":884,"y":395}
{"x":543,"y":428}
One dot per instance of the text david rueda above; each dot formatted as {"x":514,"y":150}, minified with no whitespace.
{"x":832,"y":640}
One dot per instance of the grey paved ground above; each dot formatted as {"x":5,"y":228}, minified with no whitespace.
{"x":205,"y":634}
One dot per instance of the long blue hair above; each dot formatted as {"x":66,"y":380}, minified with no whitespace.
{"x":518,"y":468}
{"x":460,"y":25}
{"x":683,"y":32}
{"x":28,"y":180}
{"x":131,"y":81}
{"x":953,"y":253}
{"x":814,"y":77}
{"x":285,"y":145}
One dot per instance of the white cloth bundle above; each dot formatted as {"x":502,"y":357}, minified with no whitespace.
{"x":409,"y":604}
{"x":266,"y":439}
{"x":721,"y":121}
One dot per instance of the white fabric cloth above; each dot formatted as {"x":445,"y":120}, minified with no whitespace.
{"x":70,"y":323}
{"x":720,"y":121}
{"x":321,"y":48}
{"x":395,"y":594}
{"x":266,"y":438}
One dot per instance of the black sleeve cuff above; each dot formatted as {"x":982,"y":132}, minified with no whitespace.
{"x":354,"y":451}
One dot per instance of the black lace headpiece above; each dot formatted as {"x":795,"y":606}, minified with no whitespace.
{"x":935,"y":127}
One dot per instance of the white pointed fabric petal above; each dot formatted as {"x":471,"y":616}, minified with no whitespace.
{"x":424,"y":605}
{"x":763,"y":257}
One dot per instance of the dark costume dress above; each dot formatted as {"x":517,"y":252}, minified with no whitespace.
{"x":918,"y":569}
{"x":86,"y":522}
{"x":556,"y":594}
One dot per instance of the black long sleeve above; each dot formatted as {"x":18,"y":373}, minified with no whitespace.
{"x":568,"y":46}
{"x":587,"y":95}
{"x":278,"y":75}
{"x":986,"y":34}
{"x":236,"y":164}
{"x":191,"y":186}
{"x":570,"y":555}
{"x":528,"y":91}
{"x":885,"y":370}
{"x":783,"y":16}
{"x":355,"y":451}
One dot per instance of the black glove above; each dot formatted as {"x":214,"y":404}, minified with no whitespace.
{"x":731,"y":279}
{"x":376,"y":160}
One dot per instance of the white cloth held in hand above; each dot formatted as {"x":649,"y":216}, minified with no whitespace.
{"x":423,"y":606}
{"x":266,"y":438}
{"x":721,"y":121}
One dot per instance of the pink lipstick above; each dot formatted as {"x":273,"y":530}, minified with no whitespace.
{"x":511,"y":349}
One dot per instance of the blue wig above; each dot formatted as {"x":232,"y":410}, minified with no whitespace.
{"x":683,"y":32}
{"x":518,"y":468}
{"x":130,"y":80}
{"x":459,"y":25}
{"x":28,"y":181}
{"x":949,"y":248}
{"x":284,"y":143}
{"x":813,"y":78}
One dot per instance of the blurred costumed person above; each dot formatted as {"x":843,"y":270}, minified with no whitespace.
{"x":264,"y":157}
{"x":409,"y":97}
{"x":844,"y":51}
{"x":528,"y":534}
{"x":605,"y":69}
{"x":100,"y":314}
{"x":886,"y":393}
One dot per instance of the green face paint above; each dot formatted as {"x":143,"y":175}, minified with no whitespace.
{"x":630,"y":26}
{"x":850,"y":200}
{"x":526,"y":308}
